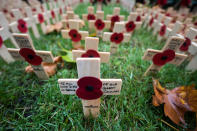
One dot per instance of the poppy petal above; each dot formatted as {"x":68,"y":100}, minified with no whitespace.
{"x":1,"y":41}
{"x":162,"y":30}
{"x":130,"y":26}
{"x":91,"y":53}
{"x":22,"y":26}
{"x":99,"y":24}
{"x":91,"y":17}
{"x":185,"y":45}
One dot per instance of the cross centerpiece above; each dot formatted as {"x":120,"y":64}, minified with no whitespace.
{"x":166,"y":55}
{"x":74,"y":34}
{"x":28,"y":53}
{"x":91,"y":50}
{"x":116,"y":37}
{"x":89,"y":87}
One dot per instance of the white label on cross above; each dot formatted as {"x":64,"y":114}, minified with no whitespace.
{"x":193,"y":51}
{"x":91,"y":44}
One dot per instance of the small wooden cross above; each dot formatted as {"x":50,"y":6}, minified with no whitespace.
{"x":40,"y":18}
{"x":166,"y":55}
{"x":116,"y":37}
{"x":147,"y":18}
{"x":190,"y":35}
{"x":91,"y":43}
{"x":32,"y":22}
{"x":193,"y":62}
{"x":22,"y":24}
{"x":28,"y":53}
{"x":100,"y":14}
{"x":5,"y":29}
{"x":77,"y":36}
{"x":90,"y":12}
{"x":176,"y":28}
{"x":3,"y":49}
{"x":157,"y":22}
{"x":89,"y":75}
{"x":96,"y":24}
{"x":116,"y":12}
{"x":166,"y":22}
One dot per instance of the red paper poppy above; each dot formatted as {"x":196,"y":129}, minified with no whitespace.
{"x":99,"y":0}
{"x":162,"y":2}
{"x":91,"y":17}
{"x":40,"y":18}
{"x":130,"y":26}
{"x":138,"y":18}
{"x":117,"y":38}
{"x":75,"y":36}
{"x":99,"y":24}
{"x":161,"y":59}
{"x":53,"y":14}
{"x":195,"y":23}
{"x":151,"y":21}
{"x":22,"y":26}
{"x":89,"y":88}
{"x":11,"y":14}
{"x":91,"y":53}
{"x":167,"y":14}
{"x":1,"y":42}
{"x":162,"y":30}
{"x":60,"y":11}
{"x":5,"y":11}
{"x":34,"y":9}
{"x":117,"y":1}
{"x":115,"y":18}
{"x":30,"y":56}
{"x":156,"y":16}
{"x":185,"y":45}
{"x":185,"y":2}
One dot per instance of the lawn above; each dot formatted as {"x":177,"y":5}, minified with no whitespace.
{"x":29,"y":103}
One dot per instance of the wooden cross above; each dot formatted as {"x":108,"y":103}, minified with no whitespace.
{"x":5,"y":28}
{"x":193,"y":62}
{"x":118,"y":29}
{"x":18,"y":16}
{"x":3,"y":49}
{"x":70,"y":15}
{"x":116,"y":12}
{"x":147,"y":18}
{"x":100,"y":14}
{"x":166,"y":22}
{"x":32,"y":22}
{"x":74,"y":25}
{"x":36,"y":17}
{"x":25,"y":43}
{"x":162,"y":57}
{"x":91,"y":43}
{"x":157,"y":23}
{"x":99,"y":32}
{"x":190,"y":35}
{"x":90,"y":68}
{"x":90,"y":11}
{"x":176,"y":28}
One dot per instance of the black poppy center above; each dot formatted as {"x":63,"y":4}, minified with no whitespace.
{"x":116,"y":38}
{"x":99,"y":24}
{"x":164,"y":57}
{"x":130,"y":26}
{"x":185,"y":44}
{"x":91,"y":56}
{"x":22,"y":25}
{"x":74,"y":35}
{"x":89,"y":88}
{"x":30,"y":57}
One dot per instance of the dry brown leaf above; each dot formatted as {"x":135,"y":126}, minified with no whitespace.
{"x":176,"y":101}
{"x":50,"y":68}
{"x":49,"y":28}
{"x":58,"y":26}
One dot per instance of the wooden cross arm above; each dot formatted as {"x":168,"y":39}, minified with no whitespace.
{"x":45,"y":55}
{"x":4,"y":34}
{"x":84,"y":17}
{"x":92,"y":22}
{"x":192,"y":33}
{"x":107,"y":35}
{"x":138,"y":25}
{"x":66,"y":35}
{"x":132,"y":16}
{"x":149,"y":54}
{"x":174,"y":42}
{"x":109,"y":87}
{"x":193,"y":48}
{"x":104,"y":56}
{"x":122,"y":17}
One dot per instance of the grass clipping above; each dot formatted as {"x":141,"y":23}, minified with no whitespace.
{"x":50,"y":68}
{"x":176,"y":101}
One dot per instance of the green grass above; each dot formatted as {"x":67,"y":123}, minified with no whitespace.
{"x":29,"y":103}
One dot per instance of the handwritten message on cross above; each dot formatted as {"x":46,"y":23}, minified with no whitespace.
{"x":91,"y":50}
{"x":116,"y":37}
{"x":89,"y":87}
{"x":166,"y":55}
{"x":176,"y":28}
{"x":74,"y":34}
{"x":28,"y":53}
